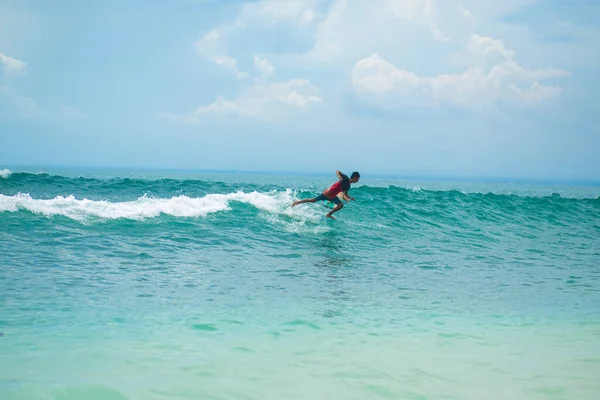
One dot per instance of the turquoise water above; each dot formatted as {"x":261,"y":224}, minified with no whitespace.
{"x":182,"y":285}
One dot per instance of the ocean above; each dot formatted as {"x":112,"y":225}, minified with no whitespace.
{"x":121,"y":284}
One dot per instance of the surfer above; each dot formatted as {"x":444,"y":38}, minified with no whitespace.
{"x":331,"y":193}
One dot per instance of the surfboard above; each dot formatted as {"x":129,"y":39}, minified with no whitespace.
{"x":328,"y":204}
{"x":331,"y":204}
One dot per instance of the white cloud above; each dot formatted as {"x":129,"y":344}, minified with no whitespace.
{"x":465,"y":13}
{"x":271,"y":12}
{"x":536,"y":93}
{"x":495,"y":77}
{"x":269,"y":102}
{"x":489,"y":47}
{"x":210,"y":44}
{"x":231,"y":65}
{"x":261,"y":14}
{"x":489,"y":10}
{"x":71,"y":113}
{"x":263,"y":66}
{"x":219,"y":107}
{"x":11,"y":65}
{"x":354,"y":28}
{"x":398,"y":53}
{"x":438,"y":34}
{"x":15,"y":105}
{"x":265,"y":100}
{"x":420,"y":35}
{"x":211,"y":47}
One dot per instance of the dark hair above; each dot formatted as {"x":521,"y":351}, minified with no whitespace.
{"x":355,"y":174}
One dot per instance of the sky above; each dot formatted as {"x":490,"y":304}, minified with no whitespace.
{"x":433,"y":88}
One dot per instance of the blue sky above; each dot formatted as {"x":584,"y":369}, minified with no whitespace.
{"x":448,"y":88}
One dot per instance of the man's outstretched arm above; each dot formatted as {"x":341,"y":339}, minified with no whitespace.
{"x":341,"y":175}
{"x":347,"y":197}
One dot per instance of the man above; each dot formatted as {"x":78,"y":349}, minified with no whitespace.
{"x":341,"y":186}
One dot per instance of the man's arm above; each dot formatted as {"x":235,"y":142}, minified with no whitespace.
{"x":341,"y":175}
{"x":347,"y":197}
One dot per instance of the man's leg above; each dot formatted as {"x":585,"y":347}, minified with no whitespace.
{"x":303,"y":201}
{"x":313,"y":200}
{"x":337,"y":208}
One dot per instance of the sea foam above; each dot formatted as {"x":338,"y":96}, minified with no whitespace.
{"x":144,"y":207}
{"x":5,"y":173}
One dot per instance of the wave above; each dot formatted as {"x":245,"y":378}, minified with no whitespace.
{"x":566,"y":192}
{"x":94,"y":187}
{"x":449,"y":213}
{"x":145,"y":207}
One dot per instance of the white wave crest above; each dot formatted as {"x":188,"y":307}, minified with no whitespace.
{"x":5,"y":173}
{"x":147,"y":207}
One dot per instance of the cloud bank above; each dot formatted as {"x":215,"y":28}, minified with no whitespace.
{"x":393,"y":54}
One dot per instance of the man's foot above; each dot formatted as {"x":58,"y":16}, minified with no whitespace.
{"x":295,"y":203}
{"x":329,"y":216}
